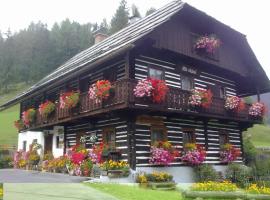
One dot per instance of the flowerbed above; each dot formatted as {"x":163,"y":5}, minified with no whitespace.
{"x":1,"y":191}
{"x":45,"y":109}
{"x":153,"y":88}
{"x":100,"y":90}
{"x":194,"y":154}
{"x":163,"y":153}
{"x":200,"y":98}
{"x":115,"y":169}
{"x":69,"y":99}
{"x":225,"y":186}
{"x":229,"y":153}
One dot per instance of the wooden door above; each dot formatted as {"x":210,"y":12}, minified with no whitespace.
{"x":48,"y":143}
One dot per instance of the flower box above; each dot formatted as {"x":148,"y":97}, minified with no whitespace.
{"x":117,"y":173}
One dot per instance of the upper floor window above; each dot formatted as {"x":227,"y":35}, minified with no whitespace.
{"x":186,"y":83}
{"x":109,"y":137}
{"x":222,"y":92}
{"x":155,"y":73}
{"x":158,"y":133}
{"x":188,"y":136}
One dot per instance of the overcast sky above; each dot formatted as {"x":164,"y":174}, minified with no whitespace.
{"x":249,"y":17}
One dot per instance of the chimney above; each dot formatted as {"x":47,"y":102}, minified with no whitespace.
{"x":100,"y":35}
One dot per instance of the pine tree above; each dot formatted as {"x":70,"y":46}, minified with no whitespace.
{"x":120,"y":18}
{"x":150,"y":11}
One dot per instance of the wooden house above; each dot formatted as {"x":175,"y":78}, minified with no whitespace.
{"x":159,"y":46}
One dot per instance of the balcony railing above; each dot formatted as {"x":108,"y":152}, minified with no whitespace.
{"x":123,"y":97}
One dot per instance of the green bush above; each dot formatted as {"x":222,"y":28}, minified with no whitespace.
{"x":262,"y":165}
{"x":5,"y":162}
{"x":205,"y":173}
{"x":249,"y":151}
{"x":239,"y":174}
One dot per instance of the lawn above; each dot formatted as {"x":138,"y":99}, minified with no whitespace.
{"x":126,"y":192}
{"x":260,"y":135}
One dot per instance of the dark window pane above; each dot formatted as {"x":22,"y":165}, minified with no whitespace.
{"x":157,"y":134}
{"x":57,"y":142}
{"x":188,"y":137}
{"x":186,"y":83}
{"x":24,"y":145}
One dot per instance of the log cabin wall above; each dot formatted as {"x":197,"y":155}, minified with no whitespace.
{"x":174,"y":128}
{"x":97,"y":127}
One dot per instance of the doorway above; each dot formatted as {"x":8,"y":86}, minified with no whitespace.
{"x":48,"y":143}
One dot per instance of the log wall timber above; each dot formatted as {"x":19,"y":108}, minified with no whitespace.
{"x":87,"y":129}
{"x":175,"y":128}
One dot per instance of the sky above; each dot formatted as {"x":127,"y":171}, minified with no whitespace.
{"x":248,"y":17}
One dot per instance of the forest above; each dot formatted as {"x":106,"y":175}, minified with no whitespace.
{"x":30,"y":54}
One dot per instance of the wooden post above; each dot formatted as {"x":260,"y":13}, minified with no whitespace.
{"x":205,"y":122}
{"x":131,"y":142}
{"x":258,"y":94}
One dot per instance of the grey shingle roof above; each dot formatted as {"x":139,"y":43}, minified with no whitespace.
{"x":124,"y":37}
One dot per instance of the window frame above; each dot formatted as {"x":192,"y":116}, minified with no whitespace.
{"x":191,"y":81}
{"x":159,"y":127}
{"x":108,"y":130}
{"x":156,"y":68}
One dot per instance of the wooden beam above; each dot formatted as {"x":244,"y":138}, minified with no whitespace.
{"x":258,"y":94}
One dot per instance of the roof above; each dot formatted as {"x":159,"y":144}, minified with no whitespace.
{"x":109,"y":46}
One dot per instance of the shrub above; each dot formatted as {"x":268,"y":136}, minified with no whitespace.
{"x":5,"y":162}
{"x":262,"y":164}
{"x":255,"y":189}
{"x":249,"y":151}
{"x":225,"y":186}
{"x":239,"y":174}
{"x":205,"y":173}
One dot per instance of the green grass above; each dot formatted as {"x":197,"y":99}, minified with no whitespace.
{"x":126,"y":192}
{"x":260,"y":135}
{"x":8,"y":133}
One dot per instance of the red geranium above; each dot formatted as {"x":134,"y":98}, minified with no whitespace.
{"x":77,"y":157}
{"x":69,"y":99}
{"x":160,"y":90}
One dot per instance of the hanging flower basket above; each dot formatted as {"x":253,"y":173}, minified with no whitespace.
{"x":229,"y":153}
{"x":100,"y":90}
{"x":45,"y":109}
{"x":28,"y":116}
{"x":19,"y":124}
{"x":69,"y":99}
{"x":200,"y":98}
{"x":194,"y":154}
{"x":163,"y":153}
{"x":234,"y":104}
{"x":207,"y":44}
{"x":257,"y":110}
{"x":153,"y":88}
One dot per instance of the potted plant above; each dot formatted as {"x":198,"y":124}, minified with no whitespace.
{"x":257,"y":110}
{"x":163,"y":153}
{"x":19,"y":124}
{"x":69,"y":99}
{"x":115,"y":169}
{"x":207,"y":44}
{"x":200,"y":98}
{"x":45,"y":109}
{"x":234,"y":104}
{"x":229,"y":153}
{"x":193,"y":154}
{"x":28,"y":116}
{"x":100,"y":90}
{"x":151,"y":88}
{"x":86,"y":167}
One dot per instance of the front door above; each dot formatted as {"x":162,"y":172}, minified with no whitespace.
{"x":48,"y":143}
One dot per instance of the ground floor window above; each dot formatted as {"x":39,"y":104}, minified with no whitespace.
{"x":188,"y":136}
{"x":158,"y":133}
{"x":24,"y":145}
{"x":109,"y":137}
{"x":223,"y":138}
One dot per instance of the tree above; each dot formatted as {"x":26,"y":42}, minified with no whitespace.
{"x":150,"y":11}
{"x":120,"y":18}
{"x":135,"y":11}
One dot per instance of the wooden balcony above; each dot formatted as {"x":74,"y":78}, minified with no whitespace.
{"x":122,"y":97}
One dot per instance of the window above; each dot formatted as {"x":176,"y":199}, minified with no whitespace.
{"x":222,"y":92}
{"x":158,"y":133}
{"x":155,"y":73}
{"x":188,"y":136}
{"x":223,"y":138}
{"x":24,"y":145}
{"x":57,"y":142}
{"x":187,"y":83}
{"x":109,"y":137}
{"x":35,"y":141}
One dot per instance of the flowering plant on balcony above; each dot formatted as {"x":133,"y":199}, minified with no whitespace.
{"x":100,"y":90}
{"x":28,"y":116}
{"x":19,"y":124}
{"x":208,"y":43}
{"x":45,"y":109}
{"x":234,"y":103}
{"x":69,"y":99}
{"x":194,"y":154}
{"x":200,"y":97}
{"x":257,"y":110}
{"x":163,"y":153}
{"x":157,"y":89}
{"x":228,"y":153}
